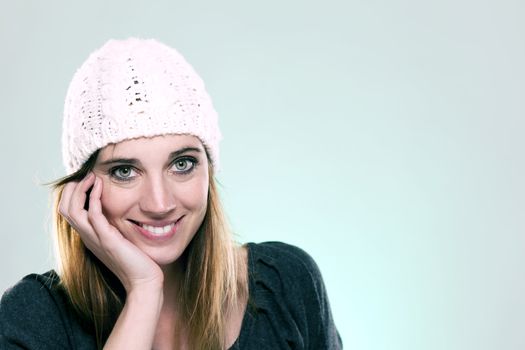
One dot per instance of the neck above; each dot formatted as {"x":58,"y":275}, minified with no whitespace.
{"x":173,"y":276}
{"x":169,"y":333}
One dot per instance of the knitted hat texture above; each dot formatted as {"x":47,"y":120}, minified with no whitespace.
{"x":135,"y":88}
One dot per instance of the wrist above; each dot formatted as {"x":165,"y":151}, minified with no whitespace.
{"x":136,"y":325}
{"x":151,"y":285}
{"x":148,"y":300}
{"x":145,"y":292}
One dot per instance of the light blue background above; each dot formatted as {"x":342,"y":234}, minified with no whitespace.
{"x":383,"y":137}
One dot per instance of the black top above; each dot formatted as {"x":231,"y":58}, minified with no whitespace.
{"x":288,"y":307}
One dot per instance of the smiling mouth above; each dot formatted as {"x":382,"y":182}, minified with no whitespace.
{"x":156,"y":230}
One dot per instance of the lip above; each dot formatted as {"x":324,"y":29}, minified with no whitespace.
{"x":157,"y":237}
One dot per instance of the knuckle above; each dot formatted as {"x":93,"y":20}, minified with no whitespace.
{"x":91,"y":217}
{"x":62,"y":208}
{"x":67,"y":216}
{"x":72,"y":214}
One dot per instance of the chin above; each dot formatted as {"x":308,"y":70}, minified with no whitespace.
{"x":164,"y":257}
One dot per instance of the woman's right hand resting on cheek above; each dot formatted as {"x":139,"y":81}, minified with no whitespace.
{"x":139,"y":274}
{"x":132,"y":266}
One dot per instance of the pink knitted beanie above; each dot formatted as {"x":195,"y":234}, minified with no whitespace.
{"x":135,"y":88}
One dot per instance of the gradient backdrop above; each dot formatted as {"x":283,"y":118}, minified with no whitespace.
{"x":384,"y":137}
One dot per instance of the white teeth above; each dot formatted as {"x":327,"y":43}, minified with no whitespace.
{"x":158,"y":230}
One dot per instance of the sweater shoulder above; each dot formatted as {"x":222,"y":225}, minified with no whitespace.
{"x":33,"y":289}
{"x":30,"y":314}
{"x":288,"y":259}
{"x":287,"y":294}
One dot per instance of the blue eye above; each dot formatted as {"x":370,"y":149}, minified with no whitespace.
{"x":123,"y":173}
{"x":184,"y":165}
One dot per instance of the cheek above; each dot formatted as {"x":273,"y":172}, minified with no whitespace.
{"x":115,"y":201}
{"x":194,"y":195}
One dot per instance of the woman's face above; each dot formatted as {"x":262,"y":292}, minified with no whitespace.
{"x":155,"y":192}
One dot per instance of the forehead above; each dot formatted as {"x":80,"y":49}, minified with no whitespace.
{"x":149,"y":146}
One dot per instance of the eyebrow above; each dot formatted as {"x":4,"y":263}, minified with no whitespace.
{"x":184,"y":150}
{"x":134,"y":161}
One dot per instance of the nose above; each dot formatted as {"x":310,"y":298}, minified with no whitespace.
{"x":158,"y":198}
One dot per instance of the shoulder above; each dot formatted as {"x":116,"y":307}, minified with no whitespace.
{"x":32,"y":289}
{"x":288,"y":295}
{"x":274,"y":250}
{"x":30,"y":314}
{"x":284,"y":270}
{"x":284,"y":259}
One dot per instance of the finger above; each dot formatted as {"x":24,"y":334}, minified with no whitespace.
{"x":77,"y":216}
{"x":78,"y":198}
{"x":65,"y":198}
{"x":78,"y":221}
{"x":95,"y":215}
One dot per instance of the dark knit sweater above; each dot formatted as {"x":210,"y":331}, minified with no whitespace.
{"x":288,"y":308}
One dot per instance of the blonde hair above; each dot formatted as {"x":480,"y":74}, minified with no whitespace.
{"x":215,"y":275}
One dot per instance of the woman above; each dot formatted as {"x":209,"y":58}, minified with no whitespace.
{"x":146,"y":258}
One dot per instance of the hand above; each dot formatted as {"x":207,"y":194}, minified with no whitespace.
{"x":133,"y":267}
